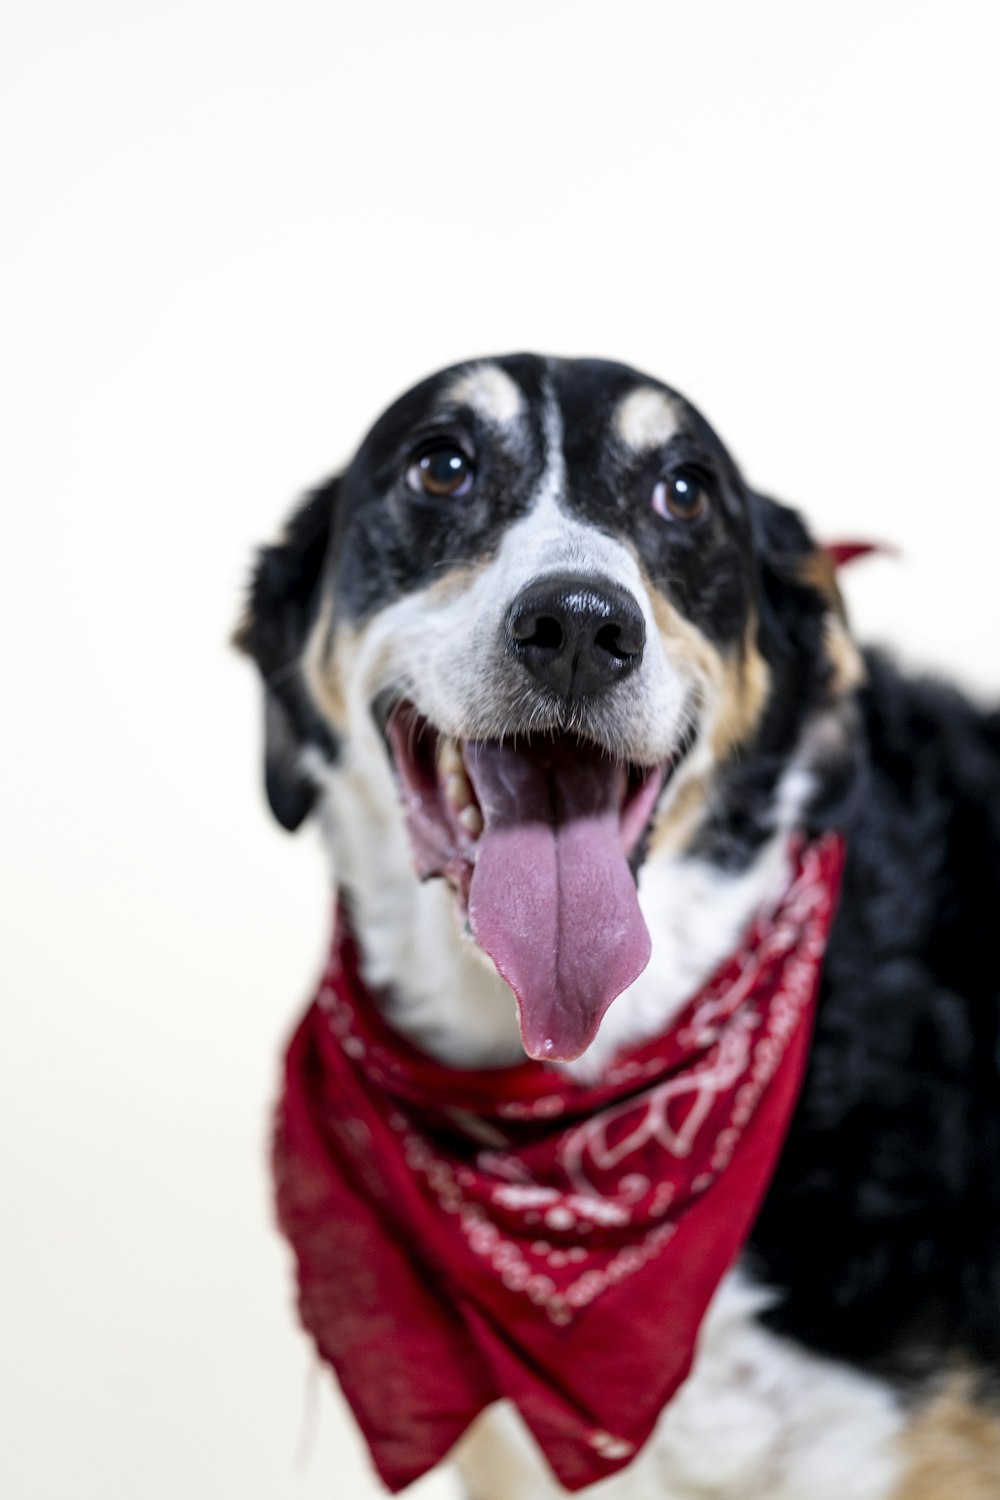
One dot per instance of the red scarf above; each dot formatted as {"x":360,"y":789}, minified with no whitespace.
{"x":465,"y":1236}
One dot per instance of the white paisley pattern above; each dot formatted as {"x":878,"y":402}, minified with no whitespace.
{"x":558,"y":1233}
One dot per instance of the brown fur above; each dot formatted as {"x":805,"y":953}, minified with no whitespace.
{"x":240,"y":638}
{"x":953,"y":1448}
{"x":746,"y":685}
{"x":737,"y":685}
{"x":325,"y":666}
{"x":329,"y":654}
{"x":454,"y":582}
{"x":818,"y":571}
{"x":680,"y":819}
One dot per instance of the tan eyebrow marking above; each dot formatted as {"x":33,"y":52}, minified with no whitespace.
{"x":490,"y":392}
{"x":646,"y":418}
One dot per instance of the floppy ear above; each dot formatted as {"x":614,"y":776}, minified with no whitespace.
{"x":802,"y":613}
{"x":283,"y":604}
{"x":796,"y":579}
{"x":784,"y":554}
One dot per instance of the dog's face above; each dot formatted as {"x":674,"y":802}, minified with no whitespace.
{"x":540,"y":623}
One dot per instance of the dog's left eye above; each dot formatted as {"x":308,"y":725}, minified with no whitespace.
{"x":441,"y":471}
{"x":681,"y":497}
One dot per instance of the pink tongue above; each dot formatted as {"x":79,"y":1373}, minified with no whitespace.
{"x":552,"y":899}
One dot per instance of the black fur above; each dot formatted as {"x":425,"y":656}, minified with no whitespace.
{"x":284,"y":598}
{"x":882,"y":1226}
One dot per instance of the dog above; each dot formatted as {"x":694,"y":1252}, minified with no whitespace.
{"x":570,"y":699}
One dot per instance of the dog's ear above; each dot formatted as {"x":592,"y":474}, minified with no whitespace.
{"x":802,"y":614}
{"x":283,"y":605}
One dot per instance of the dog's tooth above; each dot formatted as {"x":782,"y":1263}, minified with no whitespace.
{"x":457,"y":790}
{"x":449,"y":758}
{"x":471,"y":820}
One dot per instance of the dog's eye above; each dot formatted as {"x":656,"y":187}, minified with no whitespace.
{"x":681,"y":497}
{"x":441,"y":471}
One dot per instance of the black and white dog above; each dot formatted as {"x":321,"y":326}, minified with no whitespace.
{"x":562,"y":551}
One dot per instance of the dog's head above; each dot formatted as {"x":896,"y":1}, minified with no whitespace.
{"x":541,"y":624}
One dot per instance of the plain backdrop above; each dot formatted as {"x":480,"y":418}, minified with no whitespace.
{"x":231,"y":234}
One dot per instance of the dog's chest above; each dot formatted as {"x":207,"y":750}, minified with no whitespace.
{"x":757,"y":1419}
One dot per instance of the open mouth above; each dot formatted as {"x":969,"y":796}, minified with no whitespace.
{"x":538,"y":837}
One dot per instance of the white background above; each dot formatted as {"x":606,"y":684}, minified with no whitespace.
{"x":232,"y":233}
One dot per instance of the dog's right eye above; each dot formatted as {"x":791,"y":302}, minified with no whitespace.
{"x":442,"y":471}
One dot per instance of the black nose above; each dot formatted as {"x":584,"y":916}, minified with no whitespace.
{"x":577,"y":636}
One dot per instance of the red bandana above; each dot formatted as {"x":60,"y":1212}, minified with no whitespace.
{"x":466,"y":1236}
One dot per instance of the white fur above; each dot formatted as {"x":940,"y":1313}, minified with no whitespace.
{"x":490,"y":392}
{"x":757,"y":1419}
{"x":646,"y":418}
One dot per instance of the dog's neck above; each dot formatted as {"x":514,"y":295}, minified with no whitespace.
{"x":441,"y":992}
